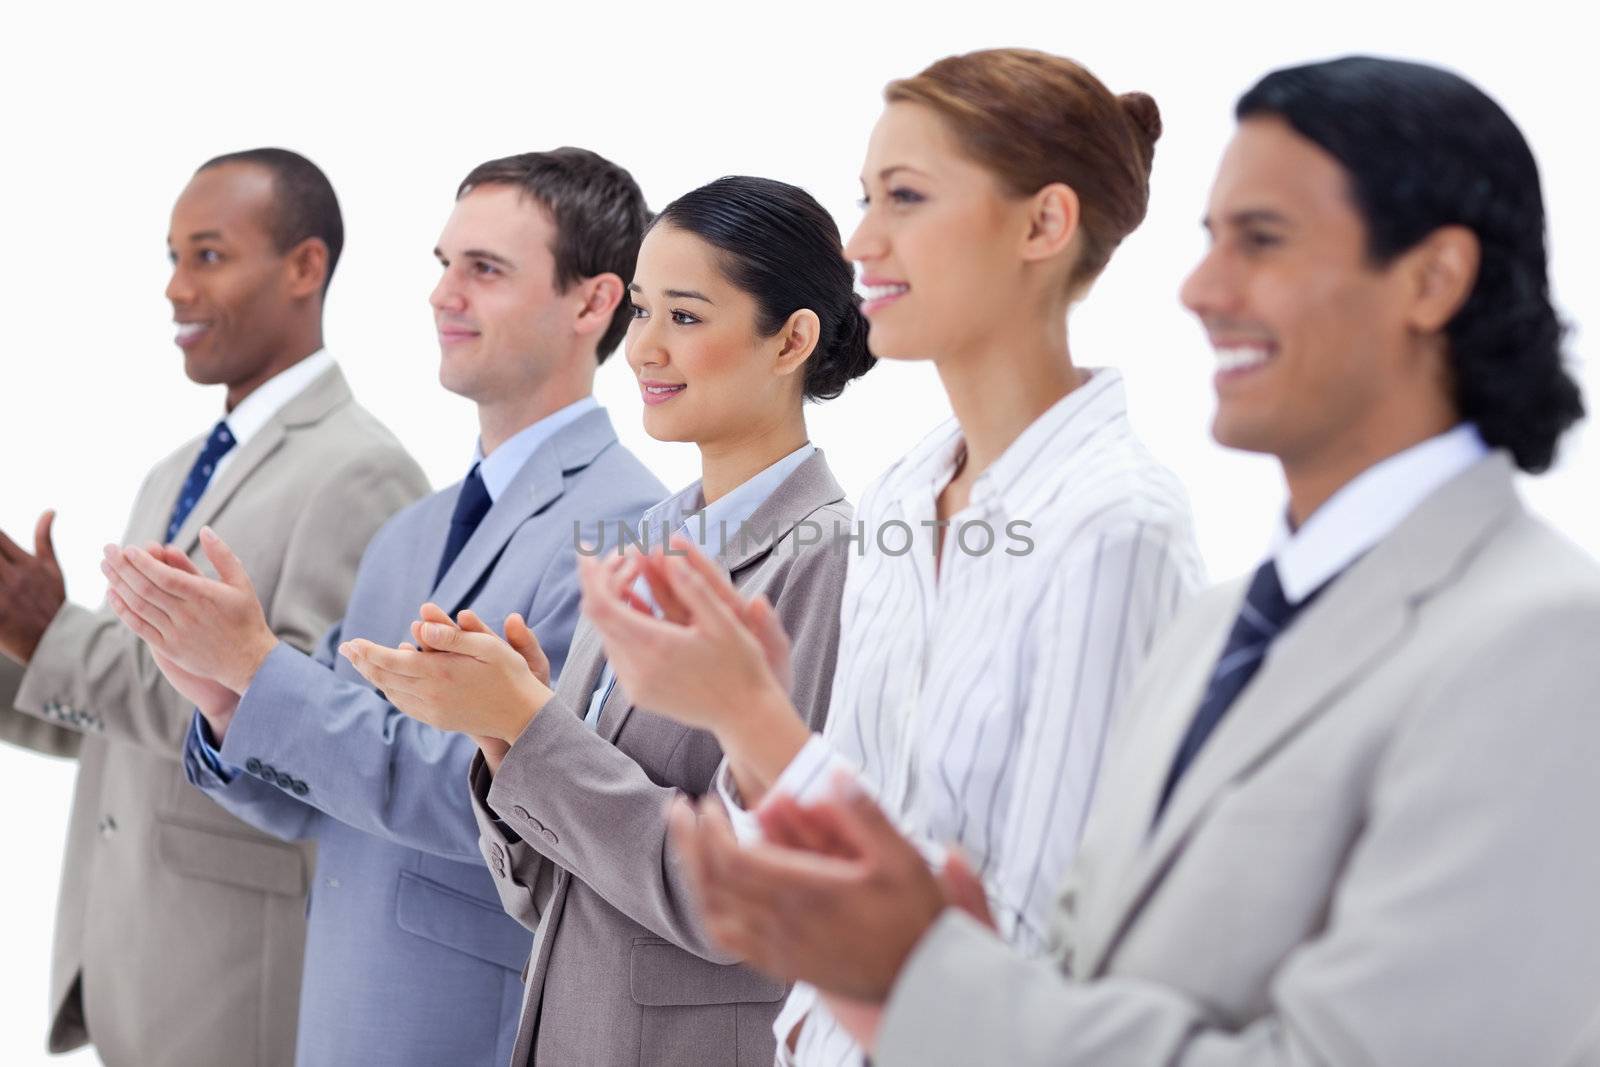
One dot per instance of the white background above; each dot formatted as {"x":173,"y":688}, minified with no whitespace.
{"x":107,"y":111}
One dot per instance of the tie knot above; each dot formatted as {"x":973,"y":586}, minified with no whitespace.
{"x":220,"y":441}
{"x":1265,"y":606}
{"x":472,"y":503}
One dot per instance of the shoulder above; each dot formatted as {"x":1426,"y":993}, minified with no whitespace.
{"x":616,"y":484}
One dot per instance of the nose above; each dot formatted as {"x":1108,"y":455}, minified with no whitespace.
{"x":447,"y":296}
{"x":868,"y":242}
{"x":180,"y":290}
{"x":644,"y":345}
{"x":1209,"y":288}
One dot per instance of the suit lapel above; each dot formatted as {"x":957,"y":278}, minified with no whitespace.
{"x":1355,"y":625}
{"x":810,"y":487}
{"x":539,"y":483}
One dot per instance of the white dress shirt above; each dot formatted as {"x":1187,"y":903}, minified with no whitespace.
{"x":256,"y":410}
{"x":708,"y":526}
{"x":1367,"y":509}
{"x":974,"y":702}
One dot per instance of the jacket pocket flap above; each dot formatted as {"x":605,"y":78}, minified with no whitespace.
{"x":450,"y":918}
{"x":662,"y":974}
{"x":231,"y":859}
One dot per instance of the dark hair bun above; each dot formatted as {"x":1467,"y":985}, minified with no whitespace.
{"x":845,"y":357}
{"x":1146,"y":116}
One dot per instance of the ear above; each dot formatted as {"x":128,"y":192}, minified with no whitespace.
{"x":1053,"y":216}
{"x":600,"y":294}
{"x":1443,"y":269}
{"x":797,"y":340}
{"x":308,"y":267}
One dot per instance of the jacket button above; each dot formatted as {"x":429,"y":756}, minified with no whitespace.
{"x":499,"y":853}
{"x":284,"y":781}
{"x":521,"y":812}
{"x":300,"y":788}
{"x":268,"y":772}
{"x":252,"y":765}
{"x":550,"y":835}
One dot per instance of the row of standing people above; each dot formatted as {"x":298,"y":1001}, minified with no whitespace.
{"x":464,"y":789}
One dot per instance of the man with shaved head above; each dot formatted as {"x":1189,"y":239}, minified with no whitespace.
{"x":180,"y":929}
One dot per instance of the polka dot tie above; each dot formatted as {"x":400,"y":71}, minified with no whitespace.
{"x":217,"y":445}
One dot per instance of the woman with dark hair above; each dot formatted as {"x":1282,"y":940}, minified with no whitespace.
{"x":743,"y":309}
{"x":1017,"y":565}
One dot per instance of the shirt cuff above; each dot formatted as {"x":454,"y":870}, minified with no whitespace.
{"x":210,"y":752}
{"x":808,"y":778}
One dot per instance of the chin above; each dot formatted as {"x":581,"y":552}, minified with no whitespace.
{"x":1242,"y":434}
{"x":895,"y":345}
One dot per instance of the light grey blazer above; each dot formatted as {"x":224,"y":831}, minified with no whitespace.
{"x":185,"y":925}
{"x":1383,"y":857}
{"x":409,"y":958}
{"x":622,"y":972}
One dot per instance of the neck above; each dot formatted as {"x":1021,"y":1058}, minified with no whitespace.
{"x":726,"y":465}
{"x":998,"y":391}
{"x":503,"y":417}
{"x":1314,"y":478}
{"x":305,"y":343}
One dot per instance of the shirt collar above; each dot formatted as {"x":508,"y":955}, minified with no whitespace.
{"x":501,"y":466}
{"x":256,"y":410}
{"x":1098,"y":404}
{"x":710,"y":526}
{"x":1367,"y":508}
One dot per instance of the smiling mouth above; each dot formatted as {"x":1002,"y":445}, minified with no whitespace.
{"x":660,"y":394}
{"x":189,"y":333}
{"x":1234,"y":361}
{"x":874,"y":297}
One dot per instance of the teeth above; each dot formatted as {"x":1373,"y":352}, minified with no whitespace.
{"x":1230,"y":359}
{"x":661,"y":389}
{"x":190,"y":329}
{"x":878,"y":292}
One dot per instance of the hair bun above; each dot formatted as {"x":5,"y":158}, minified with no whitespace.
{"x":1142,"y":109}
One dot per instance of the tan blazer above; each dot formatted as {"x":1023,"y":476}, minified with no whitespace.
{"x":622,"y":972}
{"x":1383,"y":857}
{"x":179,"y":929}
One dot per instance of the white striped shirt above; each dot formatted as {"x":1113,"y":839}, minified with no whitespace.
{"x":975,"y":701}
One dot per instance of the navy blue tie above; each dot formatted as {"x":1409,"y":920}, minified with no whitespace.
{"x":472,"y":504}
{"x":205,"y":465}
{"x":1264,"y":614}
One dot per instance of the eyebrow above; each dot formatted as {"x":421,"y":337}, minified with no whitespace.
{"x":674,"y":294}
{"x":206,"y":235}
{"x":479,"y":253}
{"x":1248,"y":217}
{"x":883,"y":175}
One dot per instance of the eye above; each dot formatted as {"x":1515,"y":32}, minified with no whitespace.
{"x":1259,"y":240}
{"x":637,"y":312}
{"x":902,"y":195}
{"x":484,"y":268}
{"x":864,"y":202}
{"x":683,"y":318}
{"x":209,"y":255}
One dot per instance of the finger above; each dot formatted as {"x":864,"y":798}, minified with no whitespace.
{"x":380,"y":676}
{"x":861,"y":821}
{"x":44,"y":548}
{"x":392,"y":661}
{"x":407,"y":646}
{"x":672,"y":609}
{"x":705,"y":607}
{"x":174,"y":557}
{"x":963,"y":888}
{"x":761,"y":619}
{"x":170,"y":584}
{"x":132,"y":601}
{"x":141,"y":629}
{"x":139,"y":592}
{"x":449,"y":638}
{"x":785,"y":821}
{"x":468,"y":620}
{"x":10,"y":551}
{"x":717,"y":579}
{"x":227,"y":565}
{"x":431,"y":612}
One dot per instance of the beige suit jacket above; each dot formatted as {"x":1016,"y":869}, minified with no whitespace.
{"x":179,"y":929}
{"x":1384,"y":855}
{"x":622,"y":972}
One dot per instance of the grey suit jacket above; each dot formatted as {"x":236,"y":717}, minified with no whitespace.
{"x":184,"y":925}
{"x":622,"y":972}
{"x":1383,"y":856}
{"x":409,"y":957}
